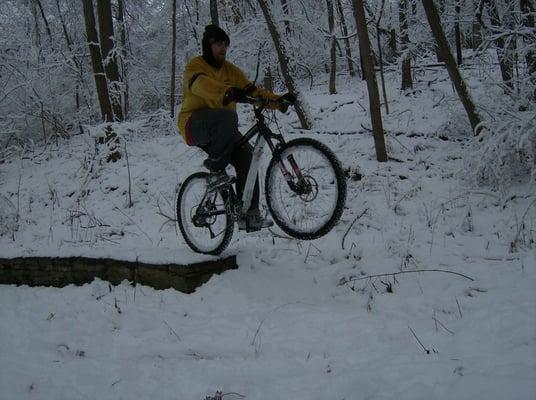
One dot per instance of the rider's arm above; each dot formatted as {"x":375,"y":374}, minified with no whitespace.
{"x":200,"y":84}
{"x":243,"y":82}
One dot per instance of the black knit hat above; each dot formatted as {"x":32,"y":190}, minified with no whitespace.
{"x":217,"y":34}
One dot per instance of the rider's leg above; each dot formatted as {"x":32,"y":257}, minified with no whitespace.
{"x":216,"y":132}
{"x":241,"y":160}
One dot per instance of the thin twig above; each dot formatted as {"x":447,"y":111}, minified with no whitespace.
{"x":459,"y":309}
{"x":264,"y":319}
{"x":129,"y":203}
{"x":241,"y":396}
{"x":131,"y":220}
{"x":440,"y":323}
{"x":424,"y":348}
{"x":522,"y":221}
{"x":173,"y":331}
{"x":352,"y":224}
{"x":409,"y":272}
{"x":162,"y":213}
{"x":308,"y":249}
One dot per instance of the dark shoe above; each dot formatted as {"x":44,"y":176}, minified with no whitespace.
{"x":218,"y":180}
{"x":253,"y":221}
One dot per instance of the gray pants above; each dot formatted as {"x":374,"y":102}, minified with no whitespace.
{"x":215,"y":130}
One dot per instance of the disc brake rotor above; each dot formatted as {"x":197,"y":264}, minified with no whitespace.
{"x":309,"y":189}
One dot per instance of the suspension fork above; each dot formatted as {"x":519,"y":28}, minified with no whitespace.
{"x":292,"y":161}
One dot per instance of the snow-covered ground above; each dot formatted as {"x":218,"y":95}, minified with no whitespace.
{"x":296,"y":320}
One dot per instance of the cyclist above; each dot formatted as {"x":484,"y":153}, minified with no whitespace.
{"x":211,"y":88}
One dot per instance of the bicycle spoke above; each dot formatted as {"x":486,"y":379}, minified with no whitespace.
{"x":313,"y":202}
{"x":202,"y":219}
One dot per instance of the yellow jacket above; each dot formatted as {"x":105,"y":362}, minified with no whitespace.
{"x":204,"y":87}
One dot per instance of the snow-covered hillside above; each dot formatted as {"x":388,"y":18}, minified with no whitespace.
{"x":297,"y":320}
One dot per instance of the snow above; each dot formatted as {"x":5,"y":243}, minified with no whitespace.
{"x":294,"y":321}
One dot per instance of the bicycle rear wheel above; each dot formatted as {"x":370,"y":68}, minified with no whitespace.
{"x":202,"y":217}
{"x":313,"y":202}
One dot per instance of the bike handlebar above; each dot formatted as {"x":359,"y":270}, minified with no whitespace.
{"x":262,"y":103}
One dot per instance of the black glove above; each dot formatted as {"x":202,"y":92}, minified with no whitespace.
{"x":289,"y":98}
{"x":285,"y":100}
{"x":234,"y":94}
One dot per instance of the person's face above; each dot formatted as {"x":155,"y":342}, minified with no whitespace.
{"x":219,"y":50}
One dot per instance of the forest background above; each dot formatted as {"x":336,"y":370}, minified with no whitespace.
{"x":65,"y":65}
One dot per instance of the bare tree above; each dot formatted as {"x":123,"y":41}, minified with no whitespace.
{"x":173,"y":55}
{"x":34,"y":24}
{"x":458,"y":33}
{"x":96,"y":61}
{"x":235,"y":10}
{"x":284,"y":64}
{"x":344,"y":29}
{"x":504,"y":45}
{"x":377,"y":23}
{"x":370,"y":76}
{"x":123,"y":54}
{"x":284,"y":4}
{"x":214,"y":17}
{"x":45,"y":20}
{"x":74,"y":59}
{"x":109,"y":56}
{"x":407,"y":81}
{"x":528,"y":14}
{"x":476,"y":31}
{"x":333,"y":48}
{"x":446,"y":55}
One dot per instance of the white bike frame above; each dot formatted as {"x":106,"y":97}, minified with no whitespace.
{"x":253,"y":172}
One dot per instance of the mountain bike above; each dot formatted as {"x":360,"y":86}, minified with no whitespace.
{"x":305,"y":190}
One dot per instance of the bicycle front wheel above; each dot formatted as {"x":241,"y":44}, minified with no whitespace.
{"x":202,"y":217}
{"x":310,"y":201}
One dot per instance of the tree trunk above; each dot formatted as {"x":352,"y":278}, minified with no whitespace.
{"x":407,"y":81}
{"x":380,"y":56}
{"x":284,"y":4}
{"x":173,"y":55}
{"x":380,"y":60}
{"x":333,"y":51}
{"x":237,"y":15}
{"x":45,"y":20}
{"x":477,"y":24}
{"x":193,"y":24}
{"x":75,"y":60}
{"x":34,"y":24}
{"x":441,"y":6}
{"x":476,"y":34}
{"x":458,"y":34}
{"x":505,"y":58}
{"x":109,"y":57}
{"x":214,"y":17}
{"x":454,"y":73}
{"x":284,"y":65}
{"x":344,"y":29}
{"x":528,"y":10}
{"x":370,"y":76}
{"x":392,"y":42}
{"x":96,"y":62}
{"x":123,"y":57}
{"x":268,"y":81}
